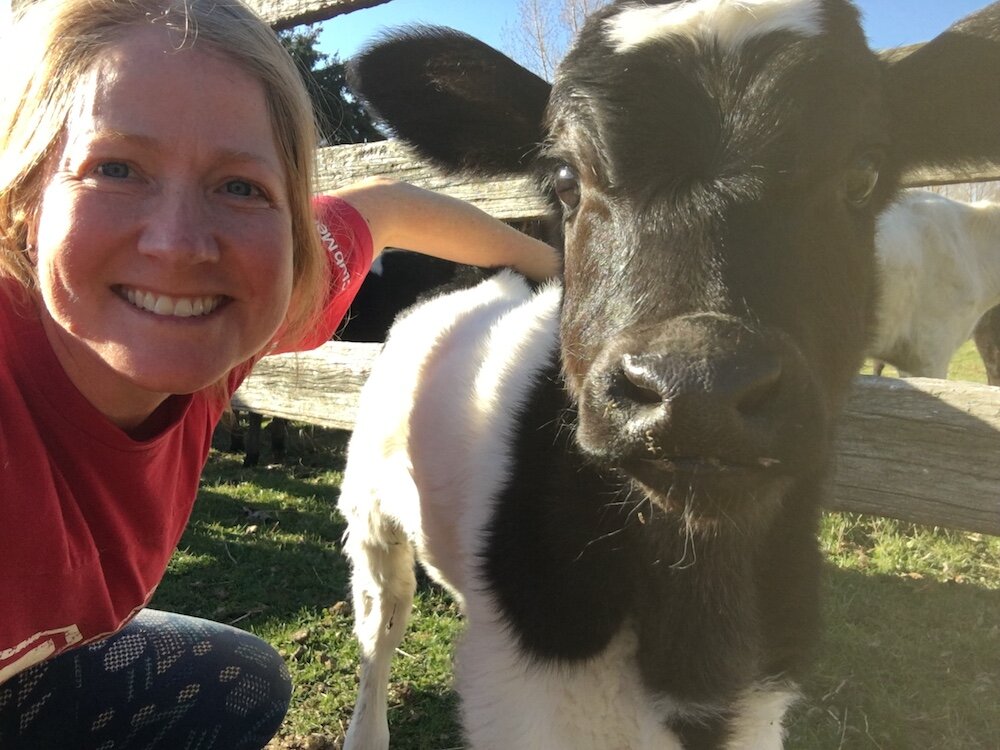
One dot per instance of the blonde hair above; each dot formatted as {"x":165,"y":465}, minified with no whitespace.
{"x":53,"y":45}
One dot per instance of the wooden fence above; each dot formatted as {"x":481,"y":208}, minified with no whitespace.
{"x":920,"y":450}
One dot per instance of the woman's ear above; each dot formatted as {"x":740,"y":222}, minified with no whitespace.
{"x":31,"y":235}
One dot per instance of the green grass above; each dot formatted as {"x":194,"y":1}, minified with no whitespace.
{"x":910,"y":656}
{"x":965,"y":365}
{"x":911,"y":651}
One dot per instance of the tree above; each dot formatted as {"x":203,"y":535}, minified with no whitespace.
{"x":544,"y":30}
{"x":341,"y":118}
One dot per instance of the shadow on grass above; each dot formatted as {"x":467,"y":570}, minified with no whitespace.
{"x":904,"y":664}
{"x":425,"y":719}
{"x":245,"y":577}
{"x":262,"y":543}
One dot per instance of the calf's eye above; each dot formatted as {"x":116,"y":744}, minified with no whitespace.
{"x":567,"y":186}
{"x":861,"y":178}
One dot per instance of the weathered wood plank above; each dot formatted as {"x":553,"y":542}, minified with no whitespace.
{"x":508,"y":198}
{"x":922,"y":450}
{"x":284,"y":14}
{"x":320,"y":387}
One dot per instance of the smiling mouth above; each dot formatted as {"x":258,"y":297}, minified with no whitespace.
{"x":167,"y":306}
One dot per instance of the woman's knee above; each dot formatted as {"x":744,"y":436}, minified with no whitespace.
{"x":230,"y":679}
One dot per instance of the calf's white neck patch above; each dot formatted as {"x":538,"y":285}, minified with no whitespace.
{"x":730,"y":23}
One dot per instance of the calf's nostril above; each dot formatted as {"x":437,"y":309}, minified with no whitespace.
{"x":743,"y":386}
{"x":635,"y":383}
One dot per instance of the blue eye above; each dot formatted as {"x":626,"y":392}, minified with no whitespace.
{"x":115,"y":169}
{"x":242,"y":188}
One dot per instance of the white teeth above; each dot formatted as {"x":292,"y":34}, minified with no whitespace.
{"x":164,"y":306}
{"x":178,"y":307}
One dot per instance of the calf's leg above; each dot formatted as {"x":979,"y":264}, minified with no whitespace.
{"x":383,"y":584}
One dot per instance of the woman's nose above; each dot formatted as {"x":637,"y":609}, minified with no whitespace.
{"x":177,"y":228}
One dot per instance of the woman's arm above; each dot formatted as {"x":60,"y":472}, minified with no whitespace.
{"x":404,"y":216}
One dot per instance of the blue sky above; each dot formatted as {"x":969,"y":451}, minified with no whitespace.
{"x":888,"y":22}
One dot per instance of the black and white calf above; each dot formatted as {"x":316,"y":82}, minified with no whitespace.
{"x":619,"y":478}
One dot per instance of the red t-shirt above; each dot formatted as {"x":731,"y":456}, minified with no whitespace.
{"x":89,"y":517}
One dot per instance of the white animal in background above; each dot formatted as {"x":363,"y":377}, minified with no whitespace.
{"x":939,"y":271}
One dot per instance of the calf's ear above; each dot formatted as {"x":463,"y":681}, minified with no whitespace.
{"x":945,"y":97}
{"x":457,"y":101}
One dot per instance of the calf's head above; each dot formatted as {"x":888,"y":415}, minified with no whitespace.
{"x":718,"y":166}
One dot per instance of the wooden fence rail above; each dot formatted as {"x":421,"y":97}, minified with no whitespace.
{"x":513,"y":198}
{"x":922,"y":450}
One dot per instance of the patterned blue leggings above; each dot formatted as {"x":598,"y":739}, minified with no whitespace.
{"x":165,"y":681}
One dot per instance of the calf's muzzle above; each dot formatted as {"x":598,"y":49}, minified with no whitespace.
{"x":702,"y":394}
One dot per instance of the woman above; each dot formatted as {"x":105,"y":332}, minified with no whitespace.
{"x":157,"y":237}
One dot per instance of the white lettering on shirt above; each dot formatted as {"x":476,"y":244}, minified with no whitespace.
{"x":37,"y":649}
{"x":336,"y":254}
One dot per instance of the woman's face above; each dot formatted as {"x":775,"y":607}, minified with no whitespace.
{"x":164,"y":240}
